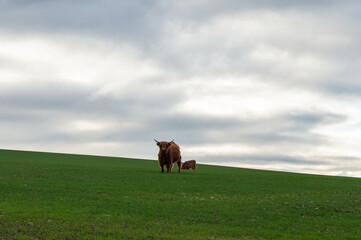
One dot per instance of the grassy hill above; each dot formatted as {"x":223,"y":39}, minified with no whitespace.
{"x":63,"y":196}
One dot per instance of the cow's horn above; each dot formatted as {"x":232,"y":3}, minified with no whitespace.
{"x":156,"y":140}
{"x":172,"y":141}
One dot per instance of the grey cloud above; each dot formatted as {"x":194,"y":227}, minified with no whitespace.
{"x":113,"y":19}
{"x":330,"y":165}
{"x":290,"y":130}
{"x":314,"y":36}
{"x":347,"y":84}
{"x":83,"y":100}
{"x":45,"y":108}
{"x":204,"y":9}
{"x":152,"y":113}
{"x":262,"y":159}
{"x":148,"y":26}
{"x":306,"y":120}
{"x":114,"y":16}
{"x":43,"y":96}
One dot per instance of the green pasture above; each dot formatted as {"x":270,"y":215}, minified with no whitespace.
{"x":63,"y":196}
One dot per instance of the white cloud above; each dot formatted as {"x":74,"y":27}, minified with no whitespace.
{"x":85,"y":60}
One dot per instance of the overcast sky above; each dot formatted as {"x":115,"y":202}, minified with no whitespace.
{"x":258,"y":84}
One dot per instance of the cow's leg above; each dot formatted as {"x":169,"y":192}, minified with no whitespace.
{"x":162,"y":168}
{"x":169,"y":168}
{"x":179,"y":163}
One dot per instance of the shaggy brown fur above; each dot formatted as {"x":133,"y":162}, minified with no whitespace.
{"x":169,"y":154}
{"x":189,"y":164}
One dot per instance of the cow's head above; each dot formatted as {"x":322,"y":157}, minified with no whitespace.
{"x":163,"y":145}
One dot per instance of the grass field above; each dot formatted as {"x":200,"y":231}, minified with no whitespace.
{"x":62,"y":196}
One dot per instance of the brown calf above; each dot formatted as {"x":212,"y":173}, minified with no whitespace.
{"x":189,"y":164}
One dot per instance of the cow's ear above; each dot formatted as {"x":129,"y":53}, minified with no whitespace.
{"x":158,"y":143}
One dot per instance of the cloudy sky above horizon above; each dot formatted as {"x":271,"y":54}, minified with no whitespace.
{"x":259,"y":84}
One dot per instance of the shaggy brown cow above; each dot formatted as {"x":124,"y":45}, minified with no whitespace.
{"x":189,"y":164}
{"x":169,"y":154}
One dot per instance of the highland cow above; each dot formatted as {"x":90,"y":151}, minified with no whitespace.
{"x":189,"y":164}
{"x":169,"y":154}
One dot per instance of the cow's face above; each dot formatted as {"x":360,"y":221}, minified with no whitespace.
{"x":163,"y":145}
